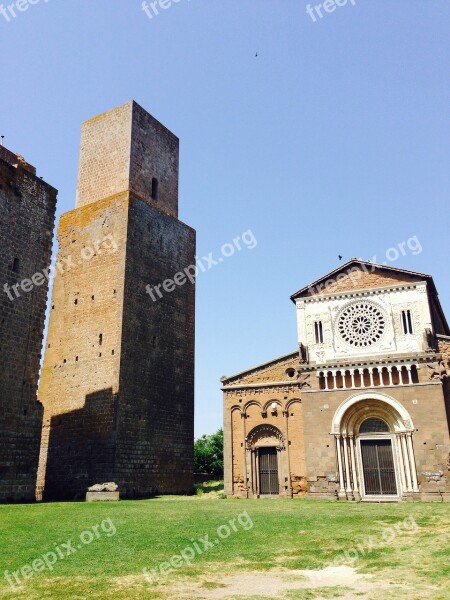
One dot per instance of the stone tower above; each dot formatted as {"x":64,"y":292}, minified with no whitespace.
{"x":118,"y":377}
{"x":26,"y":231}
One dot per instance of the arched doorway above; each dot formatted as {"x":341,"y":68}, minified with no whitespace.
{"x":265,"y":450}
{"x":374,"y":448}
{"x":377,"y":458}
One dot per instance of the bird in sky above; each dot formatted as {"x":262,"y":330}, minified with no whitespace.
{"x":340,"y":257}
{"x":256,"y":55}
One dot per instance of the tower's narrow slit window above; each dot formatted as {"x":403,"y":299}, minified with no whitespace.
{"x":318,"y":331}
{"x":407,"y":322}
{"x":155,"y":186}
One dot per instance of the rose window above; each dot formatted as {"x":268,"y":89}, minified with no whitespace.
{"x":362,"y":324}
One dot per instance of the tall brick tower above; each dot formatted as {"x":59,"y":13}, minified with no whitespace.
{"x":26,"y":231}
{"x":118,"y":377}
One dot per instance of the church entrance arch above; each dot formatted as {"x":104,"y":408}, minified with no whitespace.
{"x":374,"y":448}
{"x":265,"y":460}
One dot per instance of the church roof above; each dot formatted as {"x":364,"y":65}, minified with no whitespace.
{"x":364,"y":265}
{"x":280,"y":359}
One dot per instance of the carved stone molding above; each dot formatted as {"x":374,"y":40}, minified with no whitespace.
{"x":265,"y":431}
{"x":437,"y":371}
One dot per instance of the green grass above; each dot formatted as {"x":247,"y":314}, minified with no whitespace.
{"x":289,"y":534}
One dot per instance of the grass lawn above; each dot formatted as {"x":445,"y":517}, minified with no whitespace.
{"x":398,"y":550}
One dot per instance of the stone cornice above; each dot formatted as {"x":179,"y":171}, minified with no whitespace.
{"x":270,"y":384}
{"x":373,"y":361}
{"x":372,"y":389}
{"x":364,"y":292}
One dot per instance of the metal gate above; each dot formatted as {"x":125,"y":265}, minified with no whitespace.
{"x":378,"y":468}
{"x":268,"y":472}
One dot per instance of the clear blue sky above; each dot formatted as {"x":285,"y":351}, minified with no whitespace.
{"x":334,"y":140}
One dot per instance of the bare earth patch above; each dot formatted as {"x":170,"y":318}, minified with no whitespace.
{"x":333,"y":582}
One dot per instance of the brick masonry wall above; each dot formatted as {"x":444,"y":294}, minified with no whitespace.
{"x":444,"y":349}
{"x":154,"y":153}
{"x":359,"y":279}
{"x":156,"y":419}
{"x":118,"y":376}
{"x":274,"y":371}
{"x":123,"y":150}
{"x":122,"y":410}
{"x":312,"y":449}
{"x":431,"y":439}
{"x":28,"y":208}
{"x":253,"y":402}
{"x":104,"y":168}
{"x":80,"y":376}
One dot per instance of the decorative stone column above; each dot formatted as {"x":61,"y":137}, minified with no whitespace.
{"x":408,"y":368}
{"x":412,"y":462}
{"x":257,"y":472}
{"x":356,"y":494}
{"x":407,"y":464}
{"x":389,"y":370}
{"x":341,"y":493}
{"x":348,"y":488}
{"x":401,"y":461}
{"x":289,"y":492}
{"x":244,"y":467}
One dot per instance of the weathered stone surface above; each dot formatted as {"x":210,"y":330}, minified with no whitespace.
{"x":117,"y":382}
{"x":102,"y":496}
{"x":27,"y":207}
{"x":123,"y":150}
{"x":327,"y":391}
{"x":104,"y":487}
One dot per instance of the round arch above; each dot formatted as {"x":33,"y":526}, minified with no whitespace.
{"x":265,"y":435}
{"x":251,"y":403}
{"x":269,"y":403}
{"x":353,"y":411}
{"x":292,"y":402}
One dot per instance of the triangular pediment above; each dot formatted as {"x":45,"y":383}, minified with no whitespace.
{"x":275,"y":370}
{"x":360,"y":275}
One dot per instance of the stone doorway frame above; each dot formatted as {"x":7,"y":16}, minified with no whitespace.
{"x":264,"y":436}
{"x":345,"y":428}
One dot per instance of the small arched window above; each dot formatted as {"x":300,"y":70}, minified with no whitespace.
{"x":373,"y":426}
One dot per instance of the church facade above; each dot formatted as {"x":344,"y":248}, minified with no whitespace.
{"x":361,"y":411}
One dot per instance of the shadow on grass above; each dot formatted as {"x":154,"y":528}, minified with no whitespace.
{"x":209,"y":486}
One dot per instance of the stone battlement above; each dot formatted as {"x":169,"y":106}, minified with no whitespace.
{"x":15,"y":160}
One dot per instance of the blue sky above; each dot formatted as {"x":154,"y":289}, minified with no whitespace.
{"x":334,"y":140}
